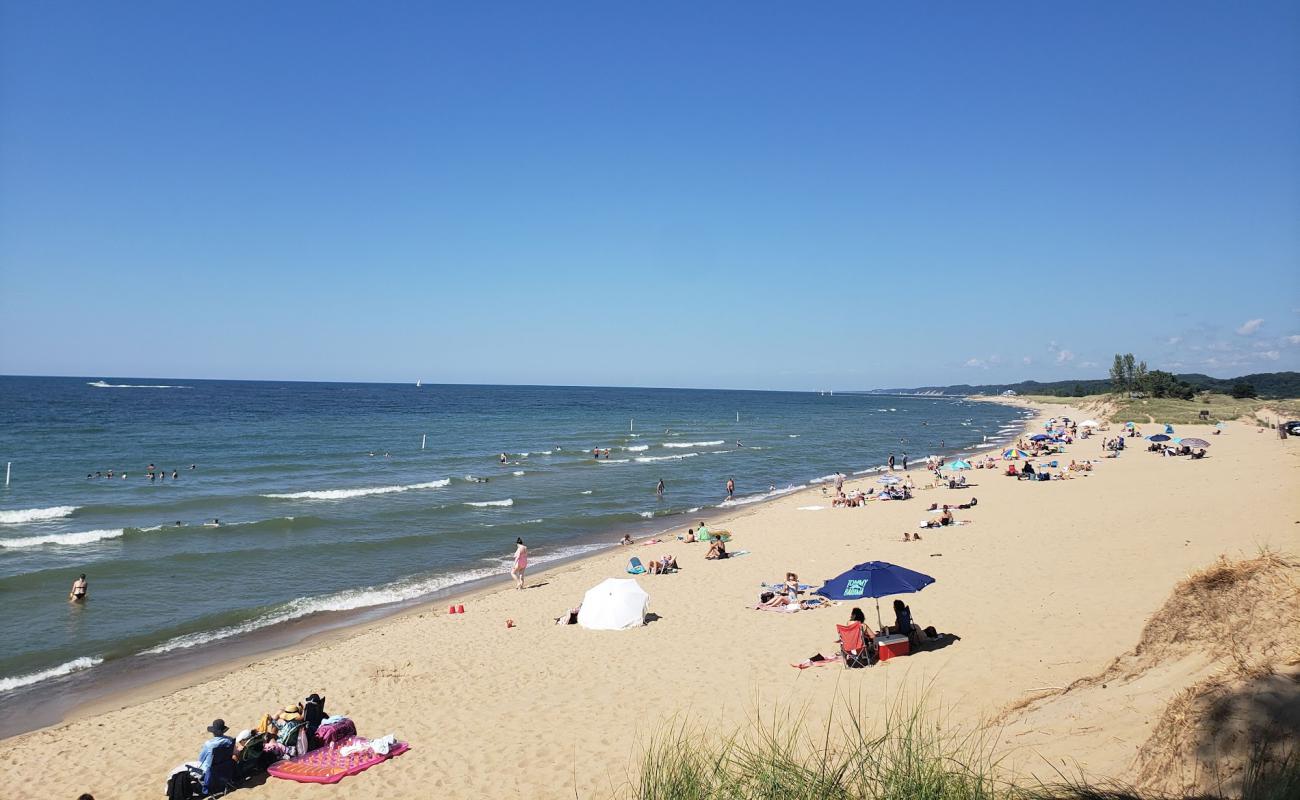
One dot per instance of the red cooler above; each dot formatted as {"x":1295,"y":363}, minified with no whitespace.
{"x":891,"y":646}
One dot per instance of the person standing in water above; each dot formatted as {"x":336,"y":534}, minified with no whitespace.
{"x":904,"y":460}
{"x":731,"y":487}
{"x":659,"y":490}
{"x":521,"y":563}
{"x":891,"y":462}
{"x":78,"y":592}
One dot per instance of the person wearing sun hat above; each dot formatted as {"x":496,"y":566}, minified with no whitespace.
{"x":219,"y":738}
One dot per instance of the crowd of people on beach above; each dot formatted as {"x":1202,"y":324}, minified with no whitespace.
{"x":225,"y":761}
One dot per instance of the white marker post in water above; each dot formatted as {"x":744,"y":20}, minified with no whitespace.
{"x":629,"y":424}
{"x":423,"y":436}
{"x":8,"y":464}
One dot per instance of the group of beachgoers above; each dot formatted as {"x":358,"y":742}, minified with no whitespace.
{"x":151,"y":472}
{"x":224,"y":761}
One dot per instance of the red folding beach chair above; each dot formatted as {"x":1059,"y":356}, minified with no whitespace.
{"x":855,"y":650}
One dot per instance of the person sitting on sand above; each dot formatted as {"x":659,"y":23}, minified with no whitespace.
{"x":627,"y":539}
{"x":791,"y":585}
{"x":690,"y":536}
{"x":1027,"y":470}
{"x":717,"y":550}
{"x":702,"y":531}
{"x":902,"y":620}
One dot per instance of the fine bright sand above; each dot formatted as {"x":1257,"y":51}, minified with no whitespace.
{"x":1048,"y":583}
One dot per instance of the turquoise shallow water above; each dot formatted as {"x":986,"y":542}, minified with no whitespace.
{"x":328,"y":503}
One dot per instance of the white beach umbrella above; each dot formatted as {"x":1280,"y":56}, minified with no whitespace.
{"x":1090,"y":423}
{"x":615,"y":604}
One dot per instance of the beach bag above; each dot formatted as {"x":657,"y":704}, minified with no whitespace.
{"x":765,"y":597}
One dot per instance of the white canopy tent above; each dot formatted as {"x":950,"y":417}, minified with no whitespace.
{"x":615,"y":604}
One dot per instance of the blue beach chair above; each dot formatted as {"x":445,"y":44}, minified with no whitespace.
{"x":634,"y":566}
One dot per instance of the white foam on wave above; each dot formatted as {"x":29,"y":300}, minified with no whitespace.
{"x":61,"y":539}
{"x":347,"y":494}
{"x":793,"y":435}
{"x":509,"y":501}
{"x":679,"y":457}
{"x":106,"y":385}
{"x":757,"y":498}
{"x":692,"y":510}
{"x":636,"y":448}
{"x":366,"y":597}
{"x":613,"y":461}
{"x":66,"y":668}
{"x":22,"y":515}
{"x":694,"y":444}
{"x":588,"y":491}
{"x":519,"y":473}
{"x":825,"y":478}
{"x":646,"y":514}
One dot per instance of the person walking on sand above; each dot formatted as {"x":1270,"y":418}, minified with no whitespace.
{"x":731,"y":487}
{"x":891,"y":462}
{"x":521,"y":563}
{"x":659,"y":490}
{"x":78,"y":592}
{"x":904,"y":461}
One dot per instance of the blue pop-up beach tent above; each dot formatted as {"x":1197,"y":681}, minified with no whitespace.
{"x":874,"y":579}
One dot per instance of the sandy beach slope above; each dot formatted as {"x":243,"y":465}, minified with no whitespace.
{"x":1049,"y":582}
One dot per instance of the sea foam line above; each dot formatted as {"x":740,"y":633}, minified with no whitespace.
{"x":694,"y":444}
{"x":106,"y":385}
{"x":757,"y":498}
{"x":21,"y":515}
{"x":351,"y":599}
{"x":66,"y":668}
{"x":345,"y":494}
{"x":650,"y":459}
{"x":62,"y":539}
{"x":509,"y":501}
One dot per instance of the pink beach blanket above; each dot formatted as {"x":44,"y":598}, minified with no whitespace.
{"x":329,"y":765}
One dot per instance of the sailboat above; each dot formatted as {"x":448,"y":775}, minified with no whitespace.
{"x":417,"y":383}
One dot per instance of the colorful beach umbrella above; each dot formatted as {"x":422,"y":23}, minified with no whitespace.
{"x":1192,"y":441}
{"x":875,"y":579}
{"x":1014,"y":453}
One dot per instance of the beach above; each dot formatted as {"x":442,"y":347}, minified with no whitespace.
{"x":1049,"y":582}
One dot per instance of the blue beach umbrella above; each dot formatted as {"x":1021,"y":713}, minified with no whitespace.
{"x":1158,"y":437}
{"x":958,"y":464}
{"x":1039,"y":437}
{"x":875,"y":579}
{"x":1169,"y":428}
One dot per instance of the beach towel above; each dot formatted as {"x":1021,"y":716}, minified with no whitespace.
{"x":335,"y":731}
{"x":330,"y":765}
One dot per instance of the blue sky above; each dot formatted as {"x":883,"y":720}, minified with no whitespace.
{"x":762,"y":195}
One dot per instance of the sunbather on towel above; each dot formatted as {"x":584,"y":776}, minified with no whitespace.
{"x":717,"y":550}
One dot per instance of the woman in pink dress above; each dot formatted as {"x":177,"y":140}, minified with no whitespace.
{"x":521,"y":563}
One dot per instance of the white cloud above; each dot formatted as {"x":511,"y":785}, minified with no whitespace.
{"x":1271,"y":355}
{"x":1293,"y":339}
{"x":1174,"y":339}
{"x":1064,"y":357}
{"x":975,"y":362}
{"x":1249,"y":326}
{"x":1028,"y":360}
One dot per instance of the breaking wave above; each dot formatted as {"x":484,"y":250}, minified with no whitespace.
{"x":694,"y":444}
{"x":509,"y":501}
{"x":61,"y":539}
{"x":66,"y":668}
{"x":21,"y":515}
{"x":345,"y":494}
